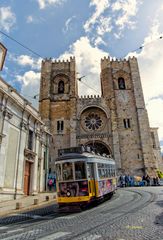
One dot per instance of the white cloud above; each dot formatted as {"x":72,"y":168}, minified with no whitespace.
{"x":7,"y":18}
{"x":30,"y":19}
{"x":45,"y":3}
{"x":30,"y":83}
{"x":155,"y":108}
{"x":104,"y":25}
{"x":151,"y":62}
{"x":25,"y":60}
{"x":100,"y":7}
{"x":68,"y":24}
{"x":88,"y":66}
{"x":99,"y":41}
{"x":33,"y":19}
{"x":127,"y":9}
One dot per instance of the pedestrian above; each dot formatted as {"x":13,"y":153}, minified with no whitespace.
{"x":157,"y":181}
{"x":122,"y":180}
{"x":126,"y":181}
{"x":148,"y":179}
{"x":154,"y":181}
{"x":129,"y":180}
{"x":144,"y":180}
{"x":54,"y":183}
{"x":50,"y":184}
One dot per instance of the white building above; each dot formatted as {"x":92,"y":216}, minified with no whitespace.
{"x":24,"y":146}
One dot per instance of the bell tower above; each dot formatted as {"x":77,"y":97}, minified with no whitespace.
{"x":121,"y":88}
{"x":58,"y":96}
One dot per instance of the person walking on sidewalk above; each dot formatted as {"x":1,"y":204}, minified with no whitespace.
{"x":50,"y":184}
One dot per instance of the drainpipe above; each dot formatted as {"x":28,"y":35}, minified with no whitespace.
{"x":17,"y":167}
{"x":3,"y":119}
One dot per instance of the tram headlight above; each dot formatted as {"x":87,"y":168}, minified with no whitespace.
{"x":68,"y":194}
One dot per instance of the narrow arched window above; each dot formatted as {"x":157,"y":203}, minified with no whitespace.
{"x":61,"y":87}
{"x":121,"y":83}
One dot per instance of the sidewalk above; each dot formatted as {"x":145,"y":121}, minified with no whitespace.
{"x":26,"y":203}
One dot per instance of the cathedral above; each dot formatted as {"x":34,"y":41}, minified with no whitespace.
{"x":115,"y":123}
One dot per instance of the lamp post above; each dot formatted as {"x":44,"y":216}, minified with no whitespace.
{"x":3,"y":52}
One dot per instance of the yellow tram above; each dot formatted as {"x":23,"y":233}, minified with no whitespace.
{"x":83,"y":176}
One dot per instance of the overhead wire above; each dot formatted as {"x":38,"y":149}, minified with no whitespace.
{"x":79,"y":79}
{"x":145,"y":45}
{"x":88,"y":86}
{"x":24,"y":46}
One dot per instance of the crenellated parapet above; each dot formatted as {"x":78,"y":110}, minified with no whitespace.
{"x":108,"y":62}
{"x":56,"y":64}
{"x":90,"y":100}
{"x":90,"y":97}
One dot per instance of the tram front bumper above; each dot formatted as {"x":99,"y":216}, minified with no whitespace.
{"x":73,"y":199}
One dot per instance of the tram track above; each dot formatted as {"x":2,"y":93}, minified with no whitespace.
{"x":103,"y":209}
{"x":120,"y":214}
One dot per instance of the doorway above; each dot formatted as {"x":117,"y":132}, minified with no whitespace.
{"x":27,"y":177}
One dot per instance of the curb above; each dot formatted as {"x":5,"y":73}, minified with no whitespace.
{"x":19,"y":207}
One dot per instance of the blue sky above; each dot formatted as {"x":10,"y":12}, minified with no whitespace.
{"x":89,"y":30}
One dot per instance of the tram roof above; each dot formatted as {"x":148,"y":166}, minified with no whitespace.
{"x":85,"y":156}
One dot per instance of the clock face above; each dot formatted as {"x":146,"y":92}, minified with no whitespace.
{"x":123,"y":96}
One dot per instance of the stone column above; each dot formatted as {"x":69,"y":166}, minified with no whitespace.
{"x":35,"y":168}
{"x":3,"y":146}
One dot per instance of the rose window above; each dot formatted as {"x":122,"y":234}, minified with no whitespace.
{"x":93,"y":121}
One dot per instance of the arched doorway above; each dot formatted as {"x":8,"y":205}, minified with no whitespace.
{"x":99,"y":147}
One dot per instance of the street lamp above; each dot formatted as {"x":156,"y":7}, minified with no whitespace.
{"x":3,"y":52}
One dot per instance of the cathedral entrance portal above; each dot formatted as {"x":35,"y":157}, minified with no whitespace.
{"x":99,"y":147}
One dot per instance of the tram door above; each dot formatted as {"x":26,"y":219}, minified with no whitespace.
{"x":91,"y":179}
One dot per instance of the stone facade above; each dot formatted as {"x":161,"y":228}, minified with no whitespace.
{"x":24,"y":146}
{"x":156,"y":148}
{"x":115,"y":123}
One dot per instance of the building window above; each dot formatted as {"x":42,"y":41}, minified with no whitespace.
{"x":61,"y":87}
{"x":127,"y":123}
{"x":153,"y":139}
{"x":121,"y":83}
{"x":30,"y":139}
{"x":60,"y":126}
{"x":93,"y":121}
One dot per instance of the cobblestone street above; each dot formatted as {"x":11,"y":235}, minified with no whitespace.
{"x":131,"y":214}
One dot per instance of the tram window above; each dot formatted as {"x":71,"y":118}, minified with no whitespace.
{"x":105,"y":172}
{"x":102,"y":173}
{"x":80,"y":170}
{"x":90,"y":170}
{"x":99,"y":173}
{"x":67,"y":171}
{"x":111,"y":172}
{"x":58,"y":171}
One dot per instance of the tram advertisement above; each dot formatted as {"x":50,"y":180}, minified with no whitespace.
{"x":105,"y":186}
{"x":73,"y":189}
